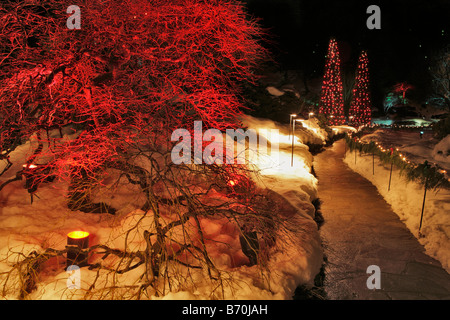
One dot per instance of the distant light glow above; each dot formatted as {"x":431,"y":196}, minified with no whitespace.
{"x":30,"y":166}
{"x":78,"y":234}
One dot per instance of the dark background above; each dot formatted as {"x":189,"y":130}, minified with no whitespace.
{"x":411,"y":32}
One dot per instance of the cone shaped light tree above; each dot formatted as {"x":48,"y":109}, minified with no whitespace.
{"x":360,"y":107}
{"x":331,"y":103}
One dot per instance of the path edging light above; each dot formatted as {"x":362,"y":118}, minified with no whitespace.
{"x":77,"y":248}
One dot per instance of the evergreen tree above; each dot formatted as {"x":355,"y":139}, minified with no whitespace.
{"x":331,"y":103}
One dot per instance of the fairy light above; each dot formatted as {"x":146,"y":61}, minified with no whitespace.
{"x":331,"y":102}
{"x":393,"y":154}
{"x":360,"y":106}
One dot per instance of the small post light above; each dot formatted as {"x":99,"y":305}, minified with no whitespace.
{"x":421,"y":134}
{"x":77,"y":243}
{"x":29,"y":172}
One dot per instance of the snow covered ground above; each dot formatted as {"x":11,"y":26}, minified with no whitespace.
{"x":406,"y":198}
{"x":26,"y":227}
{"x":415,"y":148}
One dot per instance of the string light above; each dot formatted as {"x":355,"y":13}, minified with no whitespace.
{"x":332,"y":98}
{"x":360,"y":107}
{"x":393,"y":154}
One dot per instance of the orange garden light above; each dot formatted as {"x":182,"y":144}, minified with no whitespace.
{"x":77,"y":245}
{"x":291,"y":117}
{"x":232,"y":183}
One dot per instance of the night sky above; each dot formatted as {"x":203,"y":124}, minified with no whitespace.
{"x":411,"y":31}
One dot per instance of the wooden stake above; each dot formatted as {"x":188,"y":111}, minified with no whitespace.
{"x":423,"y":204}
{"x":390,"y":176}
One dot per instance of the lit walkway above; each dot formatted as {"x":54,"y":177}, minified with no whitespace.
{"x":360,"y":229}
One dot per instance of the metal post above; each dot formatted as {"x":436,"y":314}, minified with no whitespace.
{"x":293,"y":135}
{"x":373,"y":162}
{"x":423,"y":204}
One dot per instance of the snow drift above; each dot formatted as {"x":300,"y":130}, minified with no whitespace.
{"x":295,"y":260}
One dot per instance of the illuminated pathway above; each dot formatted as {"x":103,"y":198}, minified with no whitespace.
{"x":360,"y":230}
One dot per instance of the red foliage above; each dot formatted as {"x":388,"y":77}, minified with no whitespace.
{"x":402,"y":88}
{"x":331,"y":103}
{"x":134,"y":72}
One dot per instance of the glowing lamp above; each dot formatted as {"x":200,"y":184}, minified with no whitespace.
{"x":77,"y":245}
{"x":30,"y":166}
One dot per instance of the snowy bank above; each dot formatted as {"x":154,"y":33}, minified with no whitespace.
{"x":406,"y":200}
{"x":34,"y":227}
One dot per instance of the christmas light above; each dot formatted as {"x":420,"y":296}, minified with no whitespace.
{"x":360,"y":107}
{"x":231,"y":183}
{"x":332,"y":99}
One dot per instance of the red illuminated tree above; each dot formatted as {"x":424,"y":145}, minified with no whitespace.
{"x":331,"y":103}
{"x":133,"y":70}
{"x":360,"y":107}
{"x":103,"y":101}
{"x":402,"y":88}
